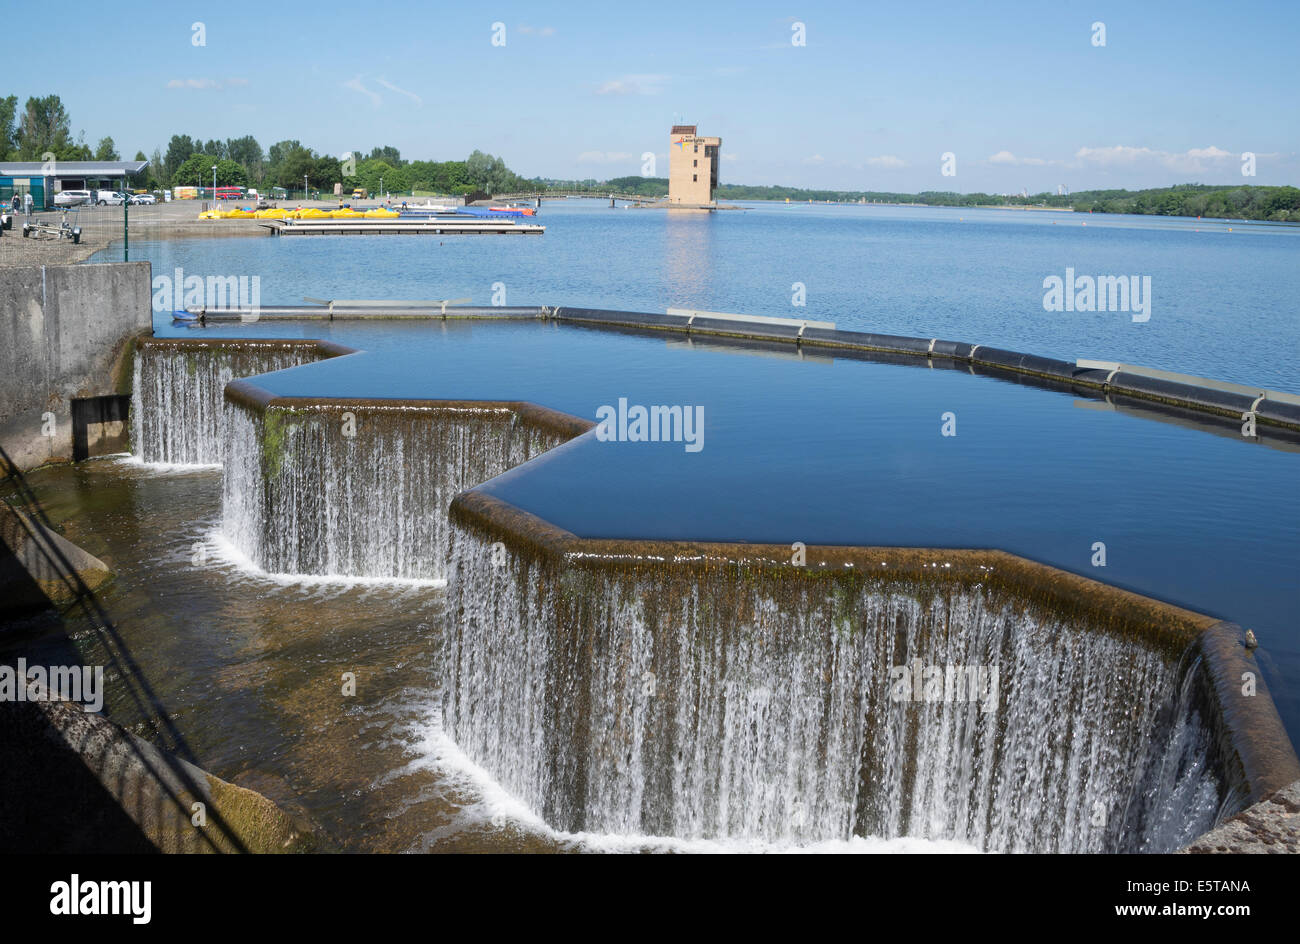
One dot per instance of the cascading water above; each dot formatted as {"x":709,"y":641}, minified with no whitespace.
{"x":178,"y":407}
{"x":362,"y":491}
{"x":744,"y":707}
{"x":727,"y":704}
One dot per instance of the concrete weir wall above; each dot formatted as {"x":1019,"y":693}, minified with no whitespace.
{"x":64,"y":338}
{"x":179,"y":413}
{"x":360,"y":488}
{"x":632,"y":686}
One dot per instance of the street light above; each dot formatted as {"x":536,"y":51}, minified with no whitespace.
{"x":214,"y":185}
{"x":304,"y":187}
{"x":381,"y":188}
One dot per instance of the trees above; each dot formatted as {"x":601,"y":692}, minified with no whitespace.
{"x":231,"y":173}
{"x":320,"y":170}
{"x":179,"y":150}
{"x":280,"y":150}
{"x":490,"y":174}
{"x":388,"y":154}
{"x":8,"y":130}
{"x":247,"y":152}
{"x":196,"y":171}
{"x":106,"y":150}
{"x":45,"y":129}
{"x":370,"y":173}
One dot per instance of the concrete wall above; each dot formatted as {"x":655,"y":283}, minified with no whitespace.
{"x":64,"y":333}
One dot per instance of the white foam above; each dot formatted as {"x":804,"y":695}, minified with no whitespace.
{"x":226,"y":552}
{"x":491,"y":803}
{"x":127,"y":458}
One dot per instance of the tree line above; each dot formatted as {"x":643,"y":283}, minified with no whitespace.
{"x":44,"y":127}
{"x":1274,"y":204}
{"x":242,"y":162}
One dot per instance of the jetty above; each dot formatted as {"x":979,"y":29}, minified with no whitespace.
{"x":402,"y":226}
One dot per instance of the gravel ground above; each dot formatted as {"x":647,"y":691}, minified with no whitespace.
{"x":103,"y":226}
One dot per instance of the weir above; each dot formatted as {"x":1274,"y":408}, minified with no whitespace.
{"x":178,"y":409}
{"x":717,"y":690}
{"x":360,"y":488}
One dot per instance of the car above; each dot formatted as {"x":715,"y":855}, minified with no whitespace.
{"x":71,"y":198}
{"x":109,"y":198}
{"x":142,"y":198}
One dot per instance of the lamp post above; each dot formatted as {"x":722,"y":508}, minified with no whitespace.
{"x":304,"y":188}
{"x":214,"y":186}
{"x":381,"y":188}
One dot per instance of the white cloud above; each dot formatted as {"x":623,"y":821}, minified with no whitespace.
{"x":815,"y":159}
{"x":1006,"y":157}
{"x":639,"y":84}
{"x":1210,"y":152}
{"x":1191,"y":161}
{"x":194,"y":83}
{"x":888,"y":161}
{"x":400,"y":91}
{"x":604,"y":157}
{"x":1116,"y":154}
{"x":358,"y":86}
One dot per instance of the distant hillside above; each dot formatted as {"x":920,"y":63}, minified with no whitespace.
{"x":1277,"y":204}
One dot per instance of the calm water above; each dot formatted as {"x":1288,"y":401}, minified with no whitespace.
{"x":1224,"y":302}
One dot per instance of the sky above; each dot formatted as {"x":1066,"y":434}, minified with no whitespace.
{"x":1021,"y":94}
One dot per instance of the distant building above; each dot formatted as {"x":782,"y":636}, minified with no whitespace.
{"x":692,"y":167}
{"x":44,"y":180}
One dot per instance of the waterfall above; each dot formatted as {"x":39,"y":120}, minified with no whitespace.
{"x":759,"y":706}
{"x":178,"y":409}
{"x":362,"y":490}
{"x":720,"y":702}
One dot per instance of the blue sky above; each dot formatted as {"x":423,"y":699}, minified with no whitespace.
{"x":1017,"y":92}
